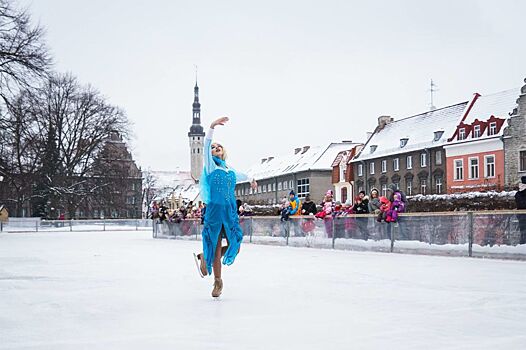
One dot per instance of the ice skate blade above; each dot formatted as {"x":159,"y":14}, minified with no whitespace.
{"x":216,"y":298}
{"x":198,"y":264}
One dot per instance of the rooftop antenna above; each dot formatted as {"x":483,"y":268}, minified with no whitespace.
{"x":431,"y":90}
{"x":195,"y":65}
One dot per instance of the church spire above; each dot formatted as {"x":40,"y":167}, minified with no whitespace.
{"x":196,"y":136}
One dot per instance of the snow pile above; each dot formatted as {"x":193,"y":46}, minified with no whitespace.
{"x":467,"y":195}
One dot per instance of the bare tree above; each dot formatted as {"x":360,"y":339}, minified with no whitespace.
{"x":82,"y":120}
{"x":20,"y":156}
{"x":149,"y":183}
{"x":24,"y":58}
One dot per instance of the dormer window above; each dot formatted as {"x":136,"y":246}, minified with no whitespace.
{"x":476,"y":131}
{"x":461,"y":134}
{"x":403,"y":142}
{"x":492,"y":128}
{"x":438,"y":135}
{"x":373,"y":148}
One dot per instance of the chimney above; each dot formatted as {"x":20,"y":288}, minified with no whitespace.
{"x":263,"y":160}
{"x":383,"y":121}
{"x":297,"y":150}
{"x":305,"y":149}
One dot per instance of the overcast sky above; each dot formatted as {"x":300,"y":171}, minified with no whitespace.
{"x":287,"y":73}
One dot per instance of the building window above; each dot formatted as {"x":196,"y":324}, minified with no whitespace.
{"x":423,"y":186}
{"x":492,"y":128}
{"x":409,"y":185}
{"x":423,"y":160}
{"x":396,"y":164}
{"x":476,"y":131}
{"x":384,"y":190}
{"x":489,"y":166}
{"x":438,"y":157}
{"x":360,"y":188}
{"x":264,"y":187}
{"x":522,"y":161}
{"x":344,"y":194}
{"x":384,"y":166}
{"x":273,"y":187}
{"x":279,"y":186}
{"x":198,"y":151}
{"x":438,"y":184}
{"x":459,"y":169}
{"x":342,"y":171}
{"x":409,"y":162}
{"x":285,"y":185}
{"x":473,"y":168}
{"x":360,"y":169}
{"x":133,"y":186}
{"x":371,"y":168}
{"x":259,"y":189}
{"x":303,"y":187}
{"x":291,"y":185}
{"x":403,"y":142}
{"x":461,"y":134}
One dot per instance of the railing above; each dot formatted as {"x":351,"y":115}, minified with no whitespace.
{"x":37,"y":225}
{"x":491,"y":234}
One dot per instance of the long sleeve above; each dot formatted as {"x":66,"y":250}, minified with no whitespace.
{"x":209,"y":162}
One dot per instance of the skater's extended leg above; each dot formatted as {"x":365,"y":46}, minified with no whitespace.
{"x":217,"y":258}
{"x":218,"y":282}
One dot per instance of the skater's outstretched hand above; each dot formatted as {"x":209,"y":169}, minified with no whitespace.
{"x":219,"y":121}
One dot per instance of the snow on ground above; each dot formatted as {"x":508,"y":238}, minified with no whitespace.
{"x":125,"y":290}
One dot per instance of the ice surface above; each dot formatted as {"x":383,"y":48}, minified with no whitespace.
{"x":125,"y":290}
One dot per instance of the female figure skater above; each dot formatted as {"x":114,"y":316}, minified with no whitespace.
{"x":218,"y":183}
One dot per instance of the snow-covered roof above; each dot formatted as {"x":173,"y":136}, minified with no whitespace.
{"x":499,"y":105}
{"x":313,"y":158}
{"x":172,"y":179}
{"x":418,"y":129}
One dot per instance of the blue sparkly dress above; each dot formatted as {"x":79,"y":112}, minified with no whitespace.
{"x":218,"y":183}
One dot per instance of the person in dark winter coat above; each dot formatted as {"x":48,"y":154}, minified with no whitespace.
{"x":308,"y":207}
{"x":520,"y":200}
{"x":360,"y":207}
{"x":374,"y":202}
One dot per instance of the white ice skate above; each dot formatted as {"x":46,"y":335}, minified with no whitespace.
{"x":200,"y":266}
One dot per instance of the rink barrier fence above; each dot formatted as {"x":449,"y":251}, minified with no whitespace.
{"x":485,"y":234}
{"x":37,"y":225}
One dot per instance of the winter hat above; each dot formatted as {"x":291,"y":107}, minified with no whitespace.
{"x":362,"y":192}
{"x":292,"y":193}
{"x":329,"y":193}
{"x":384,"y":200}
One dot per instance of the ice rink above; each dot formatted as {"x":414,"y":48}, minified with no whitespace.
{"x":125,"y":290}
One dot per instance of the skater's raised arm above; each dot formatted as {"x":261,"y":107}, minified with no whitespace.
{"x":211,"y":149}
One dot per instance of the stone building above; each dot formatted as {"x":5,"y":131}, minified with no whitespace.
{"x":514,"y":138}
{"x":407,"y":152}
{"x":119,"y":190}
{"x":307,"y":171}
